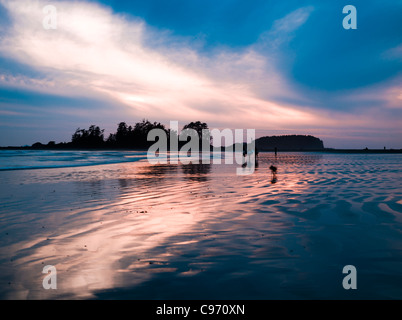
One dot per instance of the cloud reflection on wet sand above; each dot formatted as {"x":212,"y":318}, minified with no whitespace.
{"x":199,"y":231}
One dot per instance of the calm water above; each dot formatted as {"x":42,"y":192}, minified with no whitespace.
{"x":128,"y":229}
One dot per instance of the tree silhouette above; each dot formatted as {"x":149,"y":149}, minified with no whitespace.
{"x":91,"y":138}
{"x":200,"y":128}
{"x":133,"y":137}
{"x":197,"y":126}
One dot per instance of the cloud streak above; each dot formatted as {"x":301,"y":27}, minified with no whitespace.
{"x":94,"y":50}
{"x":98,"y":54}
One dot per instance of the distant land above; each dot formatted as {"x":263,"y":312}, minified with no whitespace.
{"x":135,"y":138}
{"x":283,"y":143}
{"x":289,"y":142}
{"x":294,"y":143}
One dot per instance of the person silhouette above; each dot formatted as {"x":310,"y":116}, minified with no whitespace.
{"x":274,"y":170}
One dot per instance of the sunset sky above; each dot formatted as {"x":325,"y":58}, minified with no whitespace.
{"x":280,"y":67}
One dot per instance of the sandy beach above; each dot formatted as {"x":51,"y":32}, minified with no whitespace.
{"x":132,"y":230}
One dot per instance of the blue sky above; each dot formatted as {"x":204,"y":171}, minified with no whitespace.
{"x":280,"y":67}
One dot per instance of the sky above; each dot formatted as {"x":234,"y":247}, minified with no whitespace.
{"x":279,"y":67}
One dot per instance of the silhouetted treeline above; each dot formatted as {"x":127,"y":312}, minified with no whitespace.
{"x":125,"y":137}
{"x":133,"y":136}
{"x":93,"y":137}
{"x":289,"y":142}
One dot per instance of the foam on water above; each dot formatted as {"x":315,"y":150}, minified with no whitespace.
{"x":48,"y":159}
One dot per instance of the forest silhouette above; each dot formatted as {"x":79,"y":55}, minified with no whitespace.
{"x":135,"y":137}
{"x":125,"y":137}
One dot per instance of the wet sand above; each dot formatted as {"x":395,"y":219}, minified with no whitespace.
{"x":141,"y":231}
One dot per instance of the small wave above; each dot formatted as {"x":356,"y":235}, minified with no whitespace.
{"x":68,"y":165}
{"x":64,"y":159}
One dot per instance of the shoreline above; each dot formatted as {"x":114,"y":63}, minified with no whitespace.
{"x":325,"y":150}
